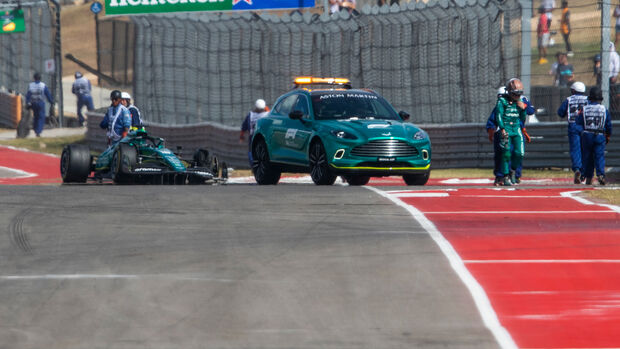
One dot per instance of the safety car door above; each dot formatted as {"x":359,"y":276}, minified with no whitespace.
{"x":280,"y":129}
{"x":298,"y":132}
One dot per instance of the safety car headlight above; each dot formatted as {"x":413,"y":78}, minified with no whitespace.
{"x":420,"y":135}
{"x":343,"y":134}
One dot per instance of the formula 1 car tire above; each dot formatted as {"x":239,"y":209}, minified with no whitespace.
{"x":75,"y":163}
{"x":201,"y":157}
{"x":123,"y":161}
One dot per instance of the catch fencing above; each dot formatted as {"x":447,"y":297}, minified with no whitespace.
{"x":576,"y":49}
{"x":23,"y":53}
{"x":441,"y":61}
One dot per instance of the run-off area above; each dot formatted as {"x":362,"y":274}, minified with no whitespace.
{"x":548,"y":260}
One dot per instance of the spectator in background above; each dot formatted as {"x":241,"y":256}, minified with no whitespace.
{"x":543,"y":34}
{"x":564,"y":71}
{"x":334,"y":6}
{"x":596,"y":69}
{"x":614,"y":63}
{"x":81,"y":89}
{"x":391,"y":2}
{"x":337,"y":5}
{"x":35,"y":100}
{"x":548,"y":6}
{"x":617,"y":15}
{"x":565,"y":27}
{"x":554,"y":69}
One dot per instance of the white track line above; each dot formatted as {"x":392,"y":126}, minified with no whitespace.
{"x":19,"y":173}
{"x":489,"y":317}
{"x":572,"y":195}
{"x":421,"y":195}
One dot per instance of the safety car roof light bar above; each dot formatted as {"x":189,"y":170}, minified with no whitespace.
{"x":310,"y":80}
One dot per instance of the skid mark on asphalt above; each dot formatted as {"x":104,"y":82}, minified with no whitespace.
{"x":18,"y":236}
{"x":547,"y":260}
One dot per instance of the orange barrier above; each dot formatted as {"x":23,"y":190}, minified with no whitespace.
{"x":10,"y":110}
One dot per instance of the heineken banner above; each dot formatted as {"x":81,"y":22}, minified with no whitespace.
{"x":12,"y":21}
{"x":127,"y":7}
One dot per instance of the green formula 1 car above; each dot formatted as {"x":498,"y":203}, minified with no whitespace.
{"x":326,"y":128}
{"x":140,"y":159}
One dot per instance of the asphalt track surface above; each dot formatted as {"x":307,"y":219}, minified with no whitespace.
{"x":238,"y":266}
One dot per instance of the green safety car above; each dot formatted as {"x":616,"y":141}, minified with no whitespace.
{"x":326,"y":128}
{"x":140,"y":159}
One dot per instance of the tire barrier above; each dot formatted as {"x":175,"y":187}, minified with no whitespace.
{"x":10,"y":110}
{"x":453,"y":145}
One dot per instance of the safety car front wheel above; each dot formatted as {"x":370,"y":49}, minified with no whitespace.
{"x":357,"y":180}
{"x":417,"y":179}
{"x":75,"y":163}
{"x":319,"y":166}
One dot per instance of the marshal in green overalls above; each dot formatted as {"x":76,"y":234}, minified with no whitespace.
{"x":510,"y":119}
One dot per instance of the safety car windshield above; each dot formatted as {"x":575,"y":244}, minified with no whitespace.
{"x":332,"y":105}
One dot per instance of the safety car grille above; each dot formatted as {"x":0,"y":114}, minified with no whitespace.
{"x":385,"y":148}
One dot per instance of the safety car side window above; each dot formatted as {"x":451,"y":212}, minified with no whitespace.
{"x":302,"y":104}
{"x":286,"y":105}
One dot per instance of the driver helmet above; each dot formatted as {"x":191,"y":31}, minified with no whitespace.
{"x":514,"y":87}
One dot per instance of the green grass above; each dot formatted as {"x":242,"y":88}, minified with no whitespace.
{"x":611,"y":196}
{"x":52,"y":145}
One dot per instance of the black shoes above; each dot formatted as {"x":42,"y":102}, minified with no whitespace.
{"x":498,"y":181}
{"x":577,"y":179}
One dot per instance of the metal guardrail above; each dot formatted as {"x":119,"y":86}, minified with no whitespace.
{"x":467,"y":145}
{"x":453,"y":146}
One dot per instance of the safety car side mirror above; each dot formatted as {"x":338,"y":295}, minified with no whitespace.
{"x":404,"y":115}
